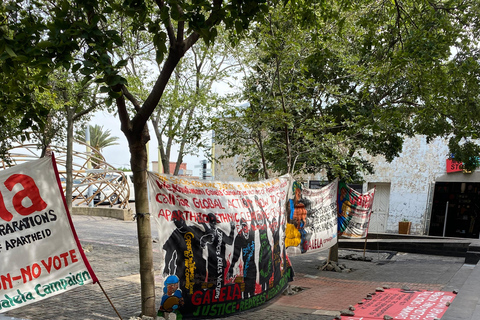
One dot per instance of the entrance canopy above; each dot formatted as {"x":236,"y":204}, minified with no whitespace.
{"x":459,"y":177}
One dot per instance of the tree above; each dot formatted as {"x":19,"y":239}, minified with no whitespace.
{"x":339,"y":80}
{"x":49,"y":34}
{"x":347,"y":80}
{"x":183,"y":116}
{"x":99,"y":139}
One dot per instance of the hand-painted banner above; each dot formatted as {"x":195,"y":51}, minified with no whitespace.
{"x":312,"y":218}
{"x":401,"y":304}
{"x":354,"y":211}
{"x":223,"y":244}
{"x":40,"y":255}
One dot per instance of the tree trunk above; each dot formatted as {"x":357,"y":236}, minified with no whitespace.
{"x":138,"y":162}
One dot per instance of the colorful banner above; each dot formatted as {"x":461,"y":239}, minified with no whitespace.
{"x":40,"y":255}
{"x":312,"y":218}
{"x":401,"y":304}
{"x":222,"y":244}
{"x":354,"y":210}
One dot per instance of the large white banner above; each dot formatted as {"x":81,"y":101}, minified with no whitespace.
{"x":40,"y":255}
{"x":222,"y":243}
{"x":312,"y":218}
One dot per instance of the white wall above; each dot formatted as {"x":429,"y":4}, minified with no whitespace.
{"x":410,"y":176}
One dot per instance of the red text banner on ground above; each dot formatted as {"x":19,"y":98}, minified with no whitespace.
{"x":403,"y":305}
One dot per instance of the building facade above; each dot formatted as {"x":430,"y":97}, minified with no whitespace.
{"x":421,"y":186}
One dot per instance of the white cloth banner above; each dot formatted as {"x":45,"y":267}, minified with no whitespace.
{"x":312,"y":218}
{"x":222,"y":243}
{"x":40,"y":255}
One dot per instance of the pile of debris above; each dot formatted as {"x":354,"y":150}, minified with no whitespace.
{"x":291,"y":290}
{"x":334,"y":266}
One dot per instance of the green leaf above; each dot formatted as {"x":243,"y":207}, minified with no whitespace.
{"x":10,"y":52}
{"x":114,"y":95}
{"x":122,"y":63}
{"x":76,"y":67}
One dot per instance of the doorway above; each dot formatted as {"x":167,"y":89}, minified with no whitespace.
{"x":456,"y":210}
{"x":381,"y":203}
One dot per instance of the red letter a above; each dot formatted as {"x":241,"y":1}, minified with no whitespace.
{"x":30,"y":190}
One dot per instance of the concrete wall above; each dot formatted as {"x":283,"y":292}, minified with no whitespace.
{"x":226,"y":170}
{"x":122,"y":214}
{"x":410,"y":176}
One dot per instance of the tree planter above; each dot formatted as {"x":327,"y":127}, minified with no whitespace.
{"x":404,"y":227}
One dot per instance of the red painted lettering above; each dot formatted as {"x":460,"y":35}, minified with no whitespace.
{"x":4,"y":213}
{"x":30,"y":190}
{"x":73,"y":257}
{"x":57,"y":263}
{"x":48,"y":266}
{"x":6,"y":281}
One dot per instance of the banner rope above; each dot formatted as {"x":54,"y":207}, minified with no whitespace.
{"x":111,"y":303}
{"x":140,"y":214}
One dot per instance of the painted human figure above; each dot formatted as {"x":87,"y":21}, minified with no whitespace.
{"x":183,"y":256}
{"x":298,"y":214}
{"x":244,"y":246}
{"x":172,"y":299}
{"x":278,"y":259}
{"x":265,"y":257}
{"x":215,"y":240}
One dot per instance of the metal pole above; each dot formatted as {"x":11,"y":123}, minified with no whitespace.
{"x":445,"y":221}
{"x":89,"y":164}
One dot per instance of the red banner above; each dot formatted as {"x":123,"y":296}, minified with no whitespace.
{"x":405,"y":305}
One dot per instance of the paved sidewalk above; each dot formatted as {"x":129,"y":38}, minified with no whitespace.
{"x":321,"y":294}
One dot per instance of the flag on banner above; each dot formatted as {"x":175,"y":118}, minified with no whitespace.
{"x":312,"y":217}
{"x":40,"y":254}
{"x":354,"y":211}
{"x":222,"y":242}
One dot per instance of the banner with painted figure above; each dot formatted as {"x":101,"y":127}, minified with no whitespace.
{"x":40,"y":255}
{"x":312,"y":217}
{"x":354,"y":211}
{"x":222,"y":242}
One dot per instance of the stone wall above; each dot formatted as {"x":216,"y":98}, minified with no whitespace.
{"x":122,"y":214}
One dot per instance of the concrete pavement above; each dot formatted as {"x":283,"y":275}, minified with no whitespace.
{"x":321,"y":294}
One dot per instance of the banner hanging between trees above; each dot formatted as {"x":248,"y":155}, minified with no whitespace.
{"x":354,"y":211}
{"x":222,"y":243}
{"x":312,"y":217}
{"x":40,"y":255}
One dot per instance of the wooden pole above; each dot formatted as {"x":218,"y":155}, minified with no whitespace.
{"x":118,"y":314}
{"x":364,"y":248}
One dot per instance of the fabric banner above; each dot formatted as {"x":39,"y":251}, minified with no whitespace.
{"x":40,"y":255}
{"x":406,"y":305}
{"x":312,"y":218}
{"x":223,"y":244}
{"x":354,"y":211}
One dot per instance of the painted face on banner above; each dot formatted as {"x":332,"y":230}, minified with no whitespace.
{"x":274,"y":225}
{"x":179,"y":222}
{"x":245,"y":230}
{"x":212,"y":220}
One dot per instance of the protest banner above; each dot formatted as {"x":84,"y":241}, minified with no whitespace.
{"x":403,"y":304}
{"x":222,"y":244}
{"x":354,"y":211}
{"x":40,"y":254}
{"x":312,"y":218}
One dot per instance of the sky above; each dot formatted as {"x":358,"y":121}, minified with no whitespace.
{"x":119,"y":155}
